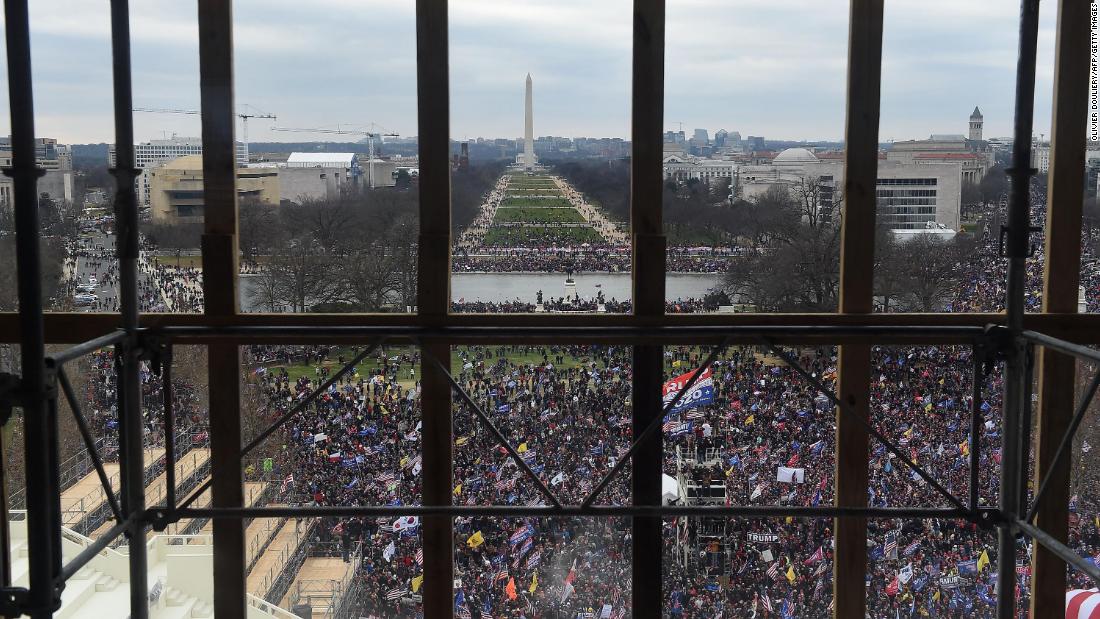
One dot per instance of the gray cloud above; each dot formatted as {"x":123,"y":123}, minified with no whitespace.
{"x":763,"y":67}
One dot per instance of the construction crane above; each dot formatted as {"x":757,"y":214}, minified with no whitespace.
{"x":370,"y":135}
{"x":244,"y":116}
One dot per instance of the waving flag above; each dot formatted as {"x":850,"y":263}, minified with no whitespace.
{"x":534,"y":559}
{"x":766,"y":602}
{"x":816,"y":557}
{"x":681,"y":428}
{"x":405,"y":522}
{"x":700,"y":393}
{"x":521,"y":534}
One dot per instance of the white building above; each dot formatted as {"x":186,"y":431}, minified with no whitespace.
{"x":910,"y":196}
{"x":1040,"y":157}
{"x":681,"y":167}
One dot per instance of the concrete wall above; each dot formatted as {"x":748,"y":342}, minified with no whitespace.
{"x":305,"y":184}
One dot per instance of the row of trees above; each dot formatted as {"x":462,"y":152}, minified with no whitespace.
{"x":58,"y":222}
{"x":793,"y":259}
{"x":356,"y":253}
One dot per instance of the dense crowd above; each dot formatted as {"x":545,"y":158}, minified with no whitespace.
{"x":161,"y":287}
{"x":764,"y":436}
{"x":566,"y":410}
{"x":596,"y":258}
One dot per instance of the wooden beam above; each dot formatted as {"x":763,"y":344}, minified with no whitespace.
{"x":219,"y":249}
{"x":433,"y":297}
{"x":857,"y":252}
{"x":1061,"y":277}
{"x":647,"y":122}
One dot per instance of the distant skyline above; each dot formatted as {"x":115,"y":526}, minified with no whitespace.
{"x":774,"y":68}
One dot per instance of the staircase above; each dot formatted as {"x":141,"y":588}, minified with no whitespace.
{"x":179,"y":576}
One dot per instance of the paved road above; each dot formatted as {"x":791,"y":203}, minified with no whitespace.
{"x":86,"y":267}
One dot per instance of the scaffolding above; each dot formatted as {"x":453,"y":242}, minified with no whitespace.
{"x":43,"y":379}
{"x":700,"y":481}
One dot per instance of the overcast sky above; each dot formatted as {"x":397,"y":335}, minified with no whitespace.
{"x":774,"y":68}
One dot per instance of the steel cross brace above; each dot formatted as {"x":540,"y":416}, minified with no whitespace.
{"x":171,"y":514}
{"x":493,"y":428}
{"x":916,"y":468}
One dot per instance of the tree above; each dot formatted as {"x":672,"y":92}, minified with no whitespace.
{"x":403,"y":180}
{"x":796,"y":273}
{"x":934,"y":271}
{"x":889,"y":268}
{"x":993,"y":185}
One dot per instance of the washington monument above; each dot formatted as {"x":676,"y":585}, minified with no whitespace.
{"x":528,"y":131}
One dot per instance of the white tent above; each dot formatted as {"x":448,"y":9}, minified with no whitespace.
{"x":670,"y":490}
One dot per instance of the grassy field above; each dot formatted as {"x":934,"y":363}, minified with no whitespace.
{"x":170,"y":260}
{"x":540,"y":235}
{"x":510,"y":201}
{"x":297,"y":371}
{"x":533,"y":214}
{"x":537,"y":182}
{"x":534,"y":192}
{"x":520,"y":356}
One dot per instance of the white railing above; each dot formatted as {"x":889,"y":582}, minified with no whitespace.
{"x":275,"y":611}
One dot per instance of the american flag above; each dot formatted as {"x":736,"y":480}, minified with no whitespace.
{"x":463,"y":612}
{"x":773,"y":571}
{"x":286,"y":482}
{"x":395,"y":594}
{"x":420,"y":556}
{"x":891,"y":549}
{"x":501,"y":575}
{"x":669,"y":425}
{"x":387,"y":478}
{"x":619,"y":614}
{"x":766,"y":602}
{"x":506,"y":484}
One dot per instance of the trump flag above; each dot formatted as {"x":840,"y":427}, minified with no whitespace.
{"x":700,"y":393}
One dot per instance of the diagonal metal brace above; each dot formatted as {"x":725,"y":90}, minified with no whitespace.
{"x":1063,"y":447}
{"x":1059,"y":549}
{"x":89,"y":443}
{"x":278,"y":423}
{"x":496,"y":431}
{"x":916,"y":468}
{"x":654,"y":423}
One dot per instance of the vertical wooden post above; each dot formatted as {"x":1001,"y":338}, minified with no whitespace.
{"x":1061,"y":277}
{"x":219,"y":253}
{"x":433,"y":296}
{"x":857,"y":252}
{"x":647,"y":121}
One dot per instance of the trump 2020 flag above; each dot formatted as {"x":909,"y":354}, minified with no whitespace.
{"x":700,"y":393}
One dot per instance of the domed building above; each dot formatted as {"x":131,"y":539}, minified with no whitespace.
{"x":794,"y":157}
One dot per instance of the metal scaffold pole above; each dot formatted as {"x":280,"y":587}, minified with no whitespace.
{"x":131,"y":426}
{"x":43,"y":496}
{"x":1017,"y":248}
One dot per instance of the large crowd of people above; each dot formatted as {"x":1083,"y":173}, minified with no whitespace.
{"x":594,"y":258}
{"x":567,"y":411}
{"x":764,"y":436}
